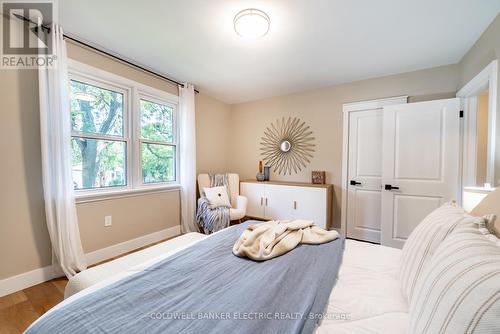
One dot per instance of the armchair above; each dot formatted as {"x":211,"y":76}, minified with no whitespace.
{"x":238,"y":203}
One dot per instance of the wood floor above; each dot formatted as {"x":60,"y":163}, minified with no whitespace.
{"x":19,"y":309}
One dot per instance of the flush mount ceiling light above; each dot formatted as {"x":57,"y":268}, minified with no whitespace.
{"x":252,"y":23}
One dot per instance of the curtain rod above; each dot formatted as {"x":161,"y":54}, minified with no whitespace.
{"x":92,"y":47}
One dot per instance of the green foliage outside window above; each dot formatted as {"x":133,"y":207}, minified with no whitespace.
{"x":158,"y":159}
{"x":99,"y":149}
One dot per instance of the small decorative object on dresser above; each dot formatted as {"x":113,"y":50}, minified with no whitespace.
{"x":318,"y":177}
{"x":260,"y":176}
{"x":267,"y":172}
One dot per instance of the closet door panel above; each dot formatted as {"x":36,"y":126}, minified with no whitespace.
{"x":411,"y":210}
{"x":420,"y":164}
{"x":364,"y":175}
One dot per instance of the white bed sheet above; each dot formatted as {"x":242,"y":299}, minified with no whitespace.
{"x":367,"y":293}
{"x":365,"y":299}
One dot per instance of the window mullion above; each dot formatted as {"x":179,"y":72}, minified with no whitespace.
{"x":135,"y":134}
{"x":98,"y":137}
{"x":147,"y":141}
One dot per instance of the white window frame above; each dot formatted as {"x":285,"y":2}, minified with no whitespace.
{"x":150,"y":95}
{"x":133,"y":92}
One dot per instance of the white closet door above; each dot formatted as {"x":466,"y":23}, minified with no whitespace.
{"x":420,"y":164}
{"x":278,"y":202}
{"x":254,"y":192}
{"x":364,"y":175}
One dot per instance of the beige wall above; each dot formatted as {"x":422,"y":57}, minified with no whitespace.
{"x":482,"y":139}
{"x":212,"y":134}
{"x":322,"y":110}
{"x":24,"y":241}
{"x":132,"y":217}
{"x":483,"y":52}
{"x":92,"y":58}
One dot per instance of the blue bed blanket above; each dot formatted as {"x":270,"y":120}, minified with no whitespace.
{"x":206,"y":289}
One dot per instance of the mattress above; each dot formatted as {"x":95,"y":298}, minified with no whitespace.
{"x":365,"y":299}
{"x":129,"y":263}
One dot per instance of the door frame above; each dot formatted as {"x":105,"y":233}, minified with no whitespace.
{"x":488,"y":77}
{"x":347,"y":108}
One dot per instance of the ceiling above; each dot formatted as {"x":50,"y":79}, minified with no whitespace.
{"x":311,"y":43}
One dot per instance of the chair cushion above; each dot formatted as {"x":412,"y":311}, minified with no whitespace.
{"x":425,"y":239}
{"x":217,"y":196}
{"x":460,"y":289}
{"x":235,"y":214}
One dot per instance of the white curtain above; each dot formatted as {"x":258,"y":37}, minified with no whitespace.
{"x":55,"y":128}
{"x":187,"y":157}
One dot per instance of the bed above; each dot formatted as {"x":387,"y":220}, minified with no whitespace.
{"x":365,"y":296}
{"x":368,"y":293}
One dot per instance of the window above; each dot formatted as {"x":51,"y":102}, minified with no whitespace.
{"x":124,"y":134}
{"x":99,"y":148}
{"x":157,"y":142}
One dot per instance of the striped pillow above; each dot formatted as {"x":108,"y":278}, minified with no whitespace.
{"x":460,"y":290}
{"x":425,"y":238}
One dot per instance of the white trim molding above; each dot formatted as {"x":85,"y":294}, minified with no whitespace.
{"x":130,"y":245}
{"x":116,"y":194}
{"x":486,"y":79}
{"x":25,"y":280}
{"x":347,"y":108}
{"x":374,"y":104}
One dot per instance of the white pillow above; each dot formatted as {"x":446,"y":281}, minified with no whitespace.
{"x":425,"y":239}
{"x":460,"y":289}
{"x":217,"y":196}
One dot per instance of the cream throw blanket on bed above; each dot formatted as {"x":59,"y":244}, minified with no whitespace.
{"x":264,"y":241}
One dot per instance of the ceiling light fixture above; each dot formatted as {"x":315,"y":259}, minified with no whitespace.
{"x":252,"y":23}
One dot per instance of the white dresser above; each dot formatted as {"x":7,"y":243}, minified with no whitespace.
{"x":289,"y":200}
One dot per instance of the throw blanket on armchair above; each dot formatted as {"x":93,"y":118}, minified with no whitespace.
{"x":209,"y":218}
{"x":264,"y":241}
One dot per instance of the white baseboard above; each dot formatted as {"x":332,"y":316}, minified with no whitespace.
{"x":25,"y":280}
{"x":129,"y":245}
{"x":40,"y":275}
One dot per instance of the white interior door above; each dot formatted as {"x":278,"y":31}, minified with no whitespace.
{"x":420,"y":164}
{"x":279,"y":202}
{"x":364,"y":175}
{"x":254,"y":192}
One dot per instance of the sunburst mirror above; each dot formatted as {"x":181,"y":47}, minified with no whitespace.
{"x":287,"y":145}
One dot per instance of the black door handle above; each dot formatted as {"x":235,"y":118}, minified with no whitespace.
{"x":390,"y":187}
{"x":354,"y":183}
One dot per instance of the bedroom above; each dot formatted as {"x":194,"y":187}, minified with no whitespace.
{"x":318,"y":65}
